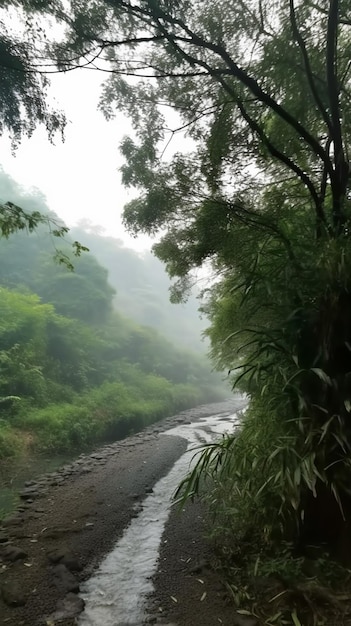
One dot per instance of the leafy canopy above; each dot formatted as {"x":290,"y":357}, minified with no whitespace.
{"x":262,"y":191}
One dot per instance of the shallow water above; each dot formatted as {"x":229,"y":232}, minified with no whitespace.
{"x":116,"y":594}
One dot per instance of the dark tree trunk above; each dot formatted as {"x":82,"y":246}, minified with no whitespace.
{"x":327,"y":345}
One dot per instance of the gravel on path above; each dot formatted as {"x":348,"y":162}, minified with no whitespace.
{"x":70,"y":520}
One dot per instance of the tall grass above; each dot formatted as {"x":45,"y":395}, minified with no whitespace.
{"x":109,"y":412}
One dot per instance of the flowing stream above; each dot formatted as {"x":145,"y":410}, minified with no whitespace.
{"x":116,"y":594}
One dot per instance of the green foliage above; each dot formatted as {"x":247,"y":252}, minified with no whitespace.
{"x":73,"y":370}
{"x":142,"y":289}
{"x":23,"y":85}
{"x":11,"y":443}
{"x":111,"y":411}
{"x":32,"y":216}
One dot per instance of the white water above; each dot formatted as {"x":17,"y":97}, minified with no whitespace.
{"x":116,"y":594}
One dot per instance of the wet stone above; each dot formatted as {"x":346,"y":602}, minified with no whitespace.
{"x":68,"y":608}
{"x":29,"y":494}
{"x":56,"y":556}
{"x":30,"y":483}
{"x":72,"y":563}
{"x":12,"y":594}
{"x":12,"y":553}
{"x":13,"y":520}
{"x":66,"y":558}
{"x":64,"y":579}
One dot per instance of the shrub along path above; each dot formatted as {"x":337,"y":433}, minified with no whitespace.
{"x":70,"y":519}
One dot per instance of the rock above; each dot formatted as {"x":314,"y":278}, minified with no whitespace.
{"x":64,"y":579}
{"x":29,"y":494}
{"x":85,"y":470}
{"x":12,"y":553}
{"x":56,"y":556}
{"x":13,"y":520}
{"x":12,"y":594}
{"x":68,"y":608}
{"x":65,"y":557}
{"x":30,"y":483}
{"x":72,"y":563}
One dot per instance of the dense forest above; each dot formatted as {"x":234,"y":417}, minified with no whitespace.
{"x":142,"y":289}
{"x":74,"y":369}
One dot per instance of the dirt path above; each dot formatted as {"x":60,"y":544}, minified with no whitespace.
{"x":70,"y":519}
{"x":188,"y":592}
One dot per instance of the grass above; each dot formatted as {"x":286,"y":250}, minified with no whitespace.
{"x":109,"y":412}
{"x":254,"y":530}
{"x":278,"y":587}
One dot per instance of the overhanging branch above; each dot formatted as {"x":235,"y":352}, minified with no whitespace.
{"x":308,"y":69}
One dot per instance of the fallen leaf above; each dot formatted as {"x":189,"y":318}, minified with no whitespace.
{"x":200,"y":581}
{"x":174,"y":599}
{"x":203,"y":596}
{"x":244,"y":612}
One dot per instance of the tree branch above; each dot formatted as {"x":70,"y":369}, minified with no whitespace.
{"x":308,"y":68}
{"x":339,"y":179}
{"x":198,"y":42}
{"x":283,"y":158}
{"x":332,"y":80}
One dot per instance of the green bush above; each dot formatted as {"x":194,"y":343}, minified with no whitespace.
{"x":11,"y":443}
{"x":255,"y":475}
{"x":111,"y":411}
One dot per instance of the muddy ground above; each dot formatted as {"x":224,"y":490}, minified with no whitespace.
{"x":69,"y":520}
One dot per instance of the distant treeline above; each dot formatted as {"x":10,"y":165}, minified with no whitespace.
{"x":74,"y":371}
{"x":142,"y":289}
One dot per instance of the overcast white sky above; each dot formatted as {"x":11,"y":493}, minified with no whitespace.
{"x":79,"y":177}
